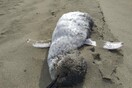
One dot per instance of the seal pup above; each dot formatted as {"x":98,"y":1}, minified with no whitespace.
{"x":72,"y":31}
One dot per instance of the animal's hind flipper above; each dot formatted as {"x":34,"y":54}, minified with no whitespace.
{"x":53,"y":84}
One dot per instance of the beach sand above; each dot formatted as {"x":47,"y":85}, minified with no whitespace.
{"x":119,"y":20}
{"x":23,"y":66}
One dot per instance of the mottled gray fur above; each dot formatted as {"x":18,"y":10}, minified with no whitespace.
{"x":71,"y":31}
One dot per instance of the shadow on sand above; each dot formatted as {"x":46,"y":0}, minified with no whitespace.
{"x":44,"y":75}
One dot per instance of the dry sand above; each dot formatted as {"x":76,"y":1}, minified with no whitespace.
{"x":23,"y":66}
{"x":119,"y":19}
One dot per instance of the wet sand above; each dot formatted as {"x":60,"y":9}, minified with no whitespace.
{"x":23,"y":66}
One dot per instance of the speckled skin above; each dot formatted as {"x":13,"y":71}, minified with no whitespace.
{"x":71,"y":31}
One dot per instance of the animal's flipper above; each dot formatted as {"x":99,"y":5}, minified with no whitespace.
{"x":90,"y":42}
{"x":53,"y":84}
{"x":39,"y":44}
